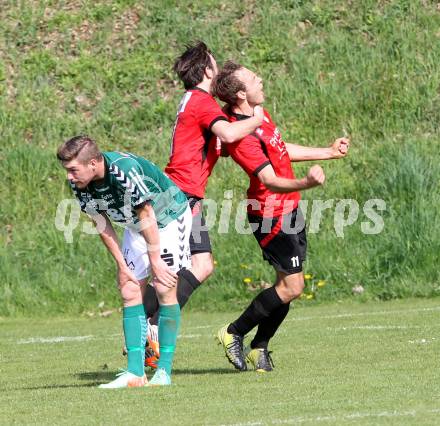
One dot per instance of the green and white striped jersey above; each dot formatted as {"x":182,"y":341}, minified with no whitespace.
{"x":130,"y":182}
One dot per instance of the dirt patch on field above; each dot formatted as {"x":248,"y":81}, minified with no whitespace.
{"x":125,"y":26}
{"x":245,"y":22}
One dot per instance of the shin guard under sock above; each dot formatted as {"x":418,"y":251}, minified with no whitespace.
{"x":268,"y":327}
{"x":135,"y":334}
{"x":260,"y":308}
{"x":169,"y":322}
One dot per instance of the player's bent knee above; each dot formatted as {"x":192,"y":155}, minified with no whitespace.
{"x":166,"y":295}
{"x":131,"y":294}
{"x":290,"y":287}
{"x":202,"y":265}
{"x":297,"y":291}
{"x":207,"y":270}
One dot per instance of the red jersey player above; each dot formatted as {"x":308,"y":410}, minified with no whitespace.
{"x":194,"y":153}
{"x":277,"y":223}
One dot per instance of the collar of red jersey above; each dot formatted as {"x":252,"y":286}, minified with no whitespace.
{"x":199,"y":89}
{"x":236,"y":115}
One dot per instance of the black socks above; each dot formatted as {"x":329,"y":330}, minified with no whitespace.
{"x":268,"y":327}
{"x":187,"y":283}
{"x":150,"y":301}
{"x":260,"y":308}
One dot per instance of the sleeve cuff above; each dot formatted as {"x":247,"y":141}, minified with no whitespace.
{"x":219,"y":118}
{"x":141,"y":204}
{"x":260,"y":167}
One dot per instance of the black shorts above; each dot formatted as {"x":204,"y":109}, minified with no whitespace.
{"x":282,"y":239}
{"x":199,"y":239}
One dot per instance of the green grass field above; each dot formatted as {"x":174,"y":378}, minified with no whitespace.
{"x":343,"y":363}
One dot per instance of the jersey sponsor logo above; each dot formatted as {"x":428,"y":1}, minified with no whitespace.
{"x":129,"y":264}
{"x":278,"y":143}
{"x":168,"y":258}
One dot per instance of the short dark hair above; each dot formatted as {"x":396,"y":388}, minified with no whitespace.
{"x":82,"y":147}
{"x":190,"y":65}
{"x":226,"y":84}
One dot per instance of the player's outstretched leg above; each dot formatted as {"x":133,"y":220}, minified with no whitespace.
{"x":169,"y":322}
{"x":231,"y":336}
{"x":289,"y":287}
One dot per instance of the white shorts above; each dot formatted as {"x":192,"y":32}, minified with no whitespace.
{"x":174,"y":247}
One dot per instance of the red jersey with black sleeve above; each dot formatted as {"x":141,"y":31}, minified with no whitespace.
{"x":194,"y":151}
{"x":256,"y":151}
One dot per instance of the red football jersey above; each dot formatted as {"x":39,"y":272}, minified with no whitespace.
{"x":193,"y":151}
{"x":254,"y":152}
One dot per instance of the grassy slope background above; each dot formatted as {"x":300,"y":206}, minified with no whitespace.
{"x":105,"y":68}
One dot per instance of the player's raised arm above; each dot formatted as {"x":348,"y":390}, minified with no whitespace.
{"x":274,"y":183}
{"x":338,"y":149}
{"x":232,"y":132}
{"x":150,"y":231}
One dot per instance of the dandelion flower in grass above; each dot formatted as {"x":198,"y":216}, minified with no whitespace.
{"x":215,"y":262}
{"x":308,"y":276}
{"x":321,"y":283}
{"x":247,"y":280}
{"x":309,"y":296}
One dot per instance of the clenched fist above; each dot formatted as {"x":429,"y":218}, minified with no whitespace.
{"x":340,"y":147}
{"x":315,"y":176}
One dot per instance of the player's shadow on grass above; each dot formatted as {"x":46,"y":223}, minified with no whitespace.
{"x":98,"y":377}
{"x":190,"y":371}
{"x":95,"y":378}
{"x":85,"y":385}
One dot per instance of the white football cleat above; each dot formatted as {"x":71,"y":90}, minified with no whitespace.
{"x":160,"y":378}
{"x":125,"y":379}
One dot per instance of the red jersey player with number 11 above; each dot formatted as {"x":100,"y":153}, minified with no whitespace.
{"x":273,"y":213}
{"x":194,"y":153}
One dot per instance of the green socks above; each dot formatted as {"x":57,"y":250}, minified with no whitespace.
{"x":135,"y":332}
{"x":169,"y":321}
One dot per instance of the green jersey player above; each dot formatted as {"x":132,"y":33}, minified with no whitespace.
{"x":133,"y":192}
